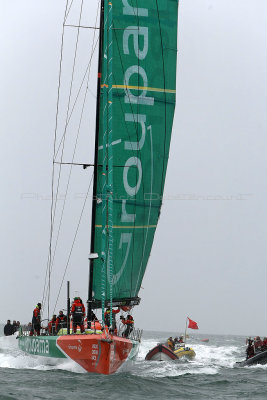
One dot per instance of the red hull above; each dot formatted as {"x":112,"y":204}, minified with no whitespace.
{"x":154,"y":353}
{"x":96,"y":353}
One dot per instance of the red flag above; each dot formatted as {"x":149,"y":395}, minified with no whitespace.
{"x":192,"y":324}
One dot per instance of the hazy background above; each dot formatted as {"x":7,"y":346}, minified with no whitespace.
{"x":209,"y":256}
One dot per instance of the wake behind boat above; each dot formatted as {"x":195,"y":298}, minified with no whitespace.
{"x":134,"y":116}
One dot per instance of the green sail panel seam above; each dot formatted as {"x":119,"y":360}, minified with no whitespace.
{"x":129,"y":226}
{"x":149,"y":89}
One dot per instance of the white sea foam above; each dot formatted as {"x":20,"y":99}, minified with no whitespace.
{"x":209,"y":360}
{"x":12,"y":357}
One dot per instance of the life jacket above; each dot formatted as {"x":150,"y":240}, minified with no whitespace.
{"x":61,"y":321}
{"x":77,"y":309}
{"x":62,"y":318}
{"x":170,"y":344}
{"x":258,"y":344}
{"x":129,"y":321}
{"x":51,"y":325}
{"x":36,"y":315}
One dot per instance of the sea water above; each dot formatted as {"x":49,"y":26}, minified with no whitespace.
{"x":212,"y":375}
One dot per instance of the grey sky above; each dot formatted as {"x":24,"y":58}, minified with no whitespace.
{"x":209,"y":256}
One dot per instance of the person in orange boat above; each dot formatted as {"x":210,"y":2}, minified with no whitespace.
{"x":107,"y":317}
{"x":61,"y":321}
{"x":129,"y":322}
{"x":52,"y":325}
{"x":36,"y":320}
{"x":171,"y":343}
{"x":78,"y":314}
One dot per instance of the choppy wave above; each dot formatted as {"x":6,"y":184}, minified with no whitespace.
{"x":12,"y":357}
{"x":210,"y":358}
{"x":210,"y":375}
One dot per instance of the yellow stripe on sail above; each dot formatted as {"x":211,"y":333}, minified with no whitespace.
{"x":129,"y":226}
{"x":148,"y":89}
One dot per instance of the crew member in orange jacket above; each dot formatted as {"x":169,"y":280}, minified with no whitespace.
{"x":36,"y":320}
{"x":129,"y":322}
{"x":78,"y":314}
{"x":107,"y":317}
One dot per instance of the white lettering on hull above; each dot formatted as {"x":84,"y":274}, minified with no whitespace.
{"x":36,"y":346}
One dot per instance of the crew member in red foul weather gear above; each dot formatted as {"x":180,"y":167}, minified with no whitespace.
{"x":257,"y":343}
{"x":78,"y":313}
{"x":129,"y":323}
{"x":36,"y":320}
{"x":107,"y":317}
{"x":264,"y":343}
{"x":61,"y":321}
{"x":52,"y":325}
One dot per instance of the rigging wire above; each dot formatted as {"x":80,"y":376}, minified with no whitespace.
{"x":68,"y":107}
{"x":53,"y":167}
{"x":77,"y":96}
{"x":74,"y":152}
{"x":53,"y":204}
{"x":50,"y":265}
{"x":67,"y":14}
{"x":84,"y":165}
{"x":73,"y":242}
{"x":82,"y":26}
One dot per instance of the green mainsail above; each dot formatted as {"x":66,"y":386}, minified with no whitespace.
{"x":144,"y":50}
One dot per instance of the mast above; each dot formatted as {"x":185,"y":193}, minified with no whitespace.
{"x":110,"y":159}
{"x":94,"y":200}
{"x":107,"y":168}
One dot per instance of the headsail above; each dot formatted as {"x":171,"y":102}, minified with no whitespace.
{"x":143,"y":91}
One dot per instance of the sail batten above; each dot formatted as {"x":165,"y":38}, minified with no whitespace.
{"x":143,"y":102}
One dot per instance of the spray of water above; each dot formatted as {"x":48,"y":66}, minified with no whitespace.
{"x":210,"y":358}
